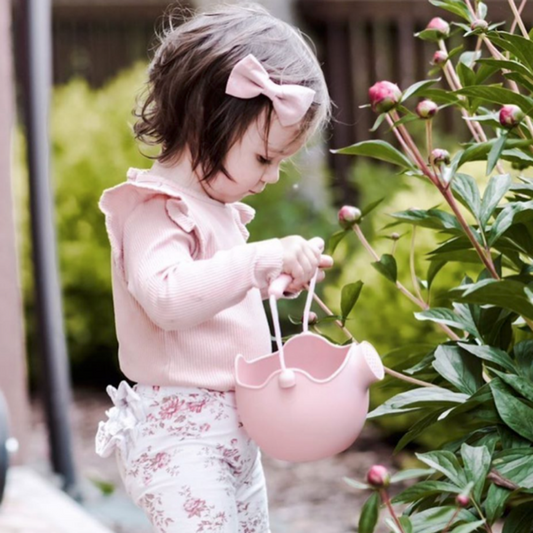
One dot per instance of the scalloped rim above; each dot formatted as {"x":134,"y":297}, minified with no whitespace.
{"x":348,"y":347}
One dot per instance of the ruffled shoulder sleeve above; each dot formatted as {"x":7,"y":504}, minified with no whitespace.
{"x":243,"y":214}
{"x":117,"y":204}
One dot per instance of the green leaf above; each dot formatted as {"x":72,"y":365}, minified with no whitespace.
{"x":468,"y":528}
{"x":378,"y":121}
{"x":410,"y":474}
{"x":479,"y":151}
{"x":518,"y":383}
{"x":378,"y":150}
{"x":476,"y":460}
{"x":445,"y":462}
{"x":419,"y":427}
{"x":514,"y":66}
{"x":515,"y":413}
{"x":495,"y":152}
{"x":453,"y":6}
{"x":490,"y":353}
{"x":356,"y":484}
{"x":499,"y":95}
{"x":434,"y":268}
{"x":504,"y":293}
{"x":434,"y":520}
{"x":495,"y":191}
{"x":416,"y":398}
{"x":423,"y":489}
{"x":519,"y":46}
{"x":406,"y":524}
{"x":467,"y":193}
{"x":369,"y":514}
{"x":523,"y":353}
{"x":443,"y":315}
{"x":519,"y":519}
{"x":431,"y":218}
{"x":349,"y":296}
{"x":335,"y":239}
{"x":417,"y":88}
{"x":371,"y":206}
{"x":466,"y":75}
{"x":463,"y":371}
{"x":386,"y":266}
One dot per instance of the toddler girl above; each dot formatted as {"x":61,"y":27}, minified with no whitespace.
{"x":231,"y":93}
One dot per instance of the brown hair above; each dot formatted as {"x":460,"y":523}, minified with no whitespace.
{"x":186,"y":104}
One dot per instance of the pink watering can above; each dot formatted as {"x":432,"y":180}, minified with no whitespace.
{"x":308,"y":400}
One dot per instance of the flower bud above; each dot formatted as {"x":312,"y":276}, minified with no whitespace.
{"x":427,"y":109}
{"x":384,"y":96}
{"x":440,"y":26}
{"x":480,"y":24}
{"x":378,"y":477}
{"x":313,"y":318}
{"x":462,"y":500}
{"x":439,"y":58}
{"x":510,"y":116}
{"x":439,"y":156}
{"x":348,"y":216}
{"x":395,"y":236}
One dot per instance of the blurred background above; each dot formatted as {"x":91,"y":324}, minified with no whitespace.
{"x":99,"y":53}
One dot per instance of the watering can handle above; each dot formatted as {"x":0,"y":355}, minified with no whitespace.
{"x":277,"y":287}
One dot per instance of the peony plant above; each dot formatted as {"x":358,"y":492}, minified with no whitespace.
{"x":480,"y":376}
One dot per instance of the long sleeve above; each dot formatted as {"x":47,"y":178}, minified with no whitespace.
{"x":177,"y":292}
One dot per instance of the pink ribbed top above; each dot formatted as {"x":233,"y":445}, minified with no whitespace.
{"x":188,"y":289}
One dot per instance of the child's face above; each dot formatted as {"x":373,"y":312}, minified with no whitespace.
{"x":246,"y":161}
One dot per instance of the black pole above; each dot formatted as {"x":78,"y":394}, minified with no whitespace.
{"x":37,"y":37}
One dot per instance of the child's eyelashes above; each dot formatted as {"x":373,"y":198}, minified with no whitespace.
{"x":263,"y":160}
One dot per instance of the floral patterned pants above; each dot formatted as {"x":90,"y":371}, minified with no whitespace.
{"x":185,"y":459}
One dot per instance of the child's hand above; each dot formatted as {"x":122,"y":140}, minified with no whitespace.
{"x":301,"y":259}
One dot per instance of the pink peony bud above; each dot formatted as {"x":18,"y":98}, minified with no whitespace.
{"x":427,"y":109}
{"x":348,"y":216}
{"x":462,"y":500}
{"x":378,"y":477}
{"x":439,"y":58}
{"x":313,"y":318}
{"x":384,"y":96}
{"x":439,"y":156}
{"x":440,"y":26}
{"x":511,"y":116}
{"x":480,"y":24}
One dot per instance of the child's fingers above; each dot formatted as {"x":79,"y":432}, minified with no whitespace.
{"x":326,"y":261}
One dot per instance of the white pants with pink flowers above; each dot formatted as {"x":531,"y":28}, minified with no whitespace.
{"x":185,"y":459}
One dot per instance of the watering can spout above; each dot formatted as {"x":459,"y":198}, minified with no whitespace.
{"x":371,"y":368}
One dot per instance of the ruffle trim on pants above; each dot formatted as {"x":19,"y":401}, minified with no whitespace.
{"x":125,"y":414}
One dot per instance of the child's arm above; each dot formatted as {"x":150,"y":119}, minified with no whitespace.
{"x":177,"y":292}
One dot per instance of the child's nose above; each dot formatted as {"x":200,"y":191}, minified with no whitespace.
{"x":272,"y":175}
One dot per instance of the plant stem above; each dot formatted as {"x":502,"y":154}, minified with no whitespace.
{"x":400,"y":139}
{"x":513,"y":27}
{"x":518,"y":19}
{"x":429,"y":136}
{"x":451,"y":520}
{"x":423,"y":305}
{"x":486,"y":258}
{"x":386,"y":500}
{"x":455,"y":84}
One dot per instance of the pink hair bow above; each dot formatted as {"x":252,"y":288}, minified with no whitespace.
{"x":249,"y":79}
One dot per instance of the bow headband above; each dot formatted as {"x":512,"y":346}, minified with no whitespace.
{"x":249,"y":79}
